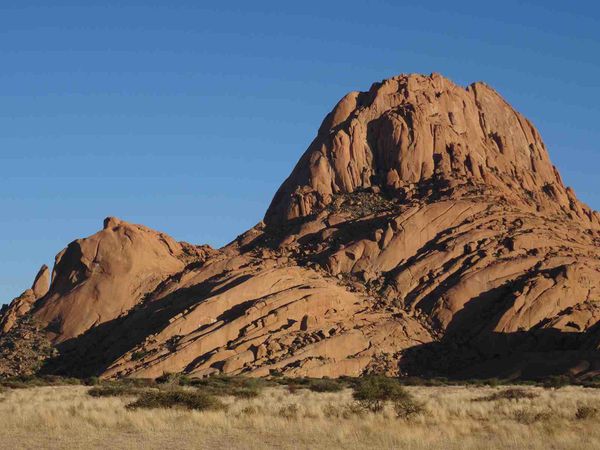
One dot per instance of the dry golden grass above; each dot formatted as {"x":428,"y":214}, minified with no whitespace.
{"x":66,"y":417}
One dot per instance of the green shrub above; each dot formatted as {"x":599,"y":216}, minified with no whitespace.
{"x":16,"y":384}
{"x":92,"y":381}
{"x":493,"y":382}
{"x":244,"y":393}
{"x":26,"y":381}
{"x":114,"y":391}
{"x":177,"y":399}
{"x":139,"y":354}
{"x":412,"y":381}
{"x":556,"y":382}
{"x":285,"y":381}
{"x":326,"y":385}
{"x":56,"y":380}
{"x":509,"y":394}
{"x":241,"y":387}
{"x":372,"y":392}
{"x":169,"y":378}
{"x":135,"y":382}
{"x":313,"y":384}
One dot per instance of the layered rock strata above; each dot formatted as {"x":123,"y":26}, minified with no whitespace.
{"x":424,"y":231}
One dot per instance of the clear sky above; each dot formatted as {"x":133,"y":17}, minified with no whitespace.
{"x":187,"y":115}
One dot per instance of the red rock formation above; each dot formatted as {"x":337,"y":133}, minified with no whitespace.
{"x":424,"y":230}
{"x":413,"y":129}
{"x":23,"y":303}
{"x":99,"y":278}
{"x":41,"y":284}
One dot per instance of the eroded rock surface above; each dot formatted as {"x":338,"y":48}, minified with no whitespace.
{"x":424,"y":231}
{"x":410,"y":130}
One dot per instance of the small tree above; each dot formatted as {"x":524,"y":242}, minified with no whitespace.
{"x":372,"y":392}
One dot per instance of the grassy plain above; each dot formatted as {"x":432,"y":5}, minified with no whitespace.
{"x":451,"y":417}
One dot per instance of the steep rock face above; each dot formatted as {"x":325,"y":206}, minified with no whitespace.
{"x":424,"y":231}
{"x":413,"y":129}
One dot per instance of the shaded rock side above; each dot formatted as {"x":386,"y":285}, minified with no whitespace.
{"x":24,"y":348}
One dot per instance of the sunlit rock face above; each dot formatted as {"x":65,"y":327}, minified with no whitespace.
{"x":415,"y":130}
{"x":424,"y":231}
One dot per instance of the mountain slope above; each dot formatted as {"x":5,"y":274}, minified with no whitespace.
{"x":424,"y":231}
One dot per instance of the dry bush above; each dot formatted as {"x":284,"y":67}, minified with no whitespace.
{"x":289,"y":411}
{"x":344,"y":411}
{"x":293,"y":388}
{"x":586,"y":412}
{"x":351,"y":410}
{"x":529,"y":417}
{"x":407,"y":408}
{"x":251,"y":410}
{"x":331,"y":410}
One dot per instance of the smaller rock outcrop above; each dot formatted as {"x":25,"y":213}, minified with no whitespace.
{"x":41,"y":284}
{"x":101,"y":277}
{"x":24,"y":346}
{"x":23,"y":303}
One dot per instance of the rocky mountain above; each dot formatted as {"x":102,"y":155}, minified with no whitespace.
{"x":424,"y":231}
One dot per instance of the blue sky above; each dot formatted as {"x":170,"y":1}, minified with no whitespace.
{"x":186,"y":118}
